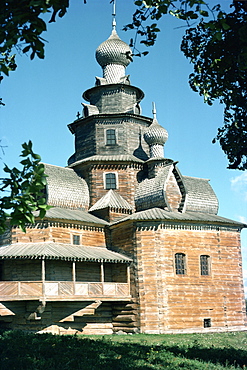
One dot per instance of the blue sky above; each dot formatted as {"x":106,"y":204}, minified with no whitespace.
{"x":43,"y":96}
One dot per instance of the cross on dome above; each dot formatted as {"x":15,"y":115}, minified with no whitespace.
{"x":113,"y":55}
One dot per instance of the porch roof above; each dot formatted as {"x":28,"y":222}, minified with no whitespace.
{"x":67,"y":252}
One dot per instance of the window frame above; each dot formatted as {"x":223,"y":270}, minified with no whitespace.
{"x":180,"y":270}
{"x":205,"y":267}
{"x":108,"y":140}
{"x":207,"y":322}
{"x":105,"y":180}
{"x":78,"y":236}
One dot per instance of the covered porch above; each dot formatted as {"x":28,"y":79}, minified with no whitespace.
{"x":60,"y":272}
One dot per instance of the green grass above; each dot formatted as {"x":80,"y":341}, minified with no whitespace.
{"x":21,"y":350}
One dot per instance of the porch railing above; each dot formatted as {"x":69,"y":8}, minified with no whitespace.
{"x":18,"y":290}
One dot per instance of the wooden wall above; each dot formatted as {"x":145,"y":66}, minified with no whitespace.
{"x":60,"y":233}
{"x":172,"y":303}
{"x":127,"y":181}
{"x":21,"y":270}
{"x":92,"y":317}
{"x":57,"y":270}
{"x":59,"y":317}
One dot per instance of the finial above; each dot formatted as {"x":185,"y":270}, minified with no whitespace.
{"x":154,"y":111}
{"x":114,"y":15}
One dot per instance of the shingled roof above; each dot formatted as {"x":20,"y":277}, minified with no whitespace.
{"x":108,"y":158}
{"x":56,"y":213}
{"x":200,"y":196}
{"x":65,"y":188}
{"x":59,"y":251}
{"x":158,"y":214}
{"x":151,"y":192}
{"x":198,"y":193}
{"x":111,"y":199}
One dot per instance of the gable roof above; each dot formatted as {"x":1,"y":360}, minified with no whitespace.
{"x":111,"y":199}
{"x":59,"y":251}
{"x":65,"y":188}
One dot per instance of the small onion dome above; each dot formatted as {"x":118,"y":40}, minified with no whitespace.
{"x":113,"y":51}
{"x":155,"y":134}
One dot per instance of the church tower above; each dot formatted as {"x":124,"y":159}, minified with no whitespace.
{"x":109,"y":145}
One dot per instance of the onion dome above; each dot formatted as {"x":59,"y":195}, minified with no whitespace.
{"x":112,"y":56}
{"x":156,"y":134}
{"x":113,"y":51}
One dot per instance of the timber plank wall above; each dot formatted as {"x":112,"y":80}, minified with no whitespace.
{"x":169,"y":302}
{"x":61,"y":232}
{"x":93,"y":317}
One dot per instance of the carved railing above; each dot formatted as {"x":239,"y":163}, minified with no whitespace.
{"x":19,"y":290}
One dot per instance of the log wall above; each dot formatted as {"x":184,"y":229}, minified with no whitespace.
{"x":178,"y":302}
{"x":21,"y":270}
{"x":60,"y":233}
{"x":127,"y":181}
{"x":92,"y":317}
{"x":57,"y":270}
{"x":168,"y":302}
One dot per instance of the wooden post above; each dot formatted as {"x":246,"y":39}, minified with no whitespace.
{"x":43,"y":275}
{"x":128,"y":278}
{"x":73,"y":276}
{"x":102,"y":277}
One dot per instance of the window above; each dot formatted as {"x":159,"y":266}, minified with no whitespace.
{"x":76,"y":239}
{"x":180,"y":263}
{"x":204,"y":264}
{"x":110,"y":181}
{"x":207,"y":323}
{"x":111,"y":137}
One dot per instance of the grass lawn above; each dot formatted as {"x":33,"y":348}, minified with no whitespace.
{"x":21,"y":350}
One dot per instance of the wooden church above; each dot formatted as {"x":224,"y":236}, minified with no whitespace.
{"x":130,"y":244}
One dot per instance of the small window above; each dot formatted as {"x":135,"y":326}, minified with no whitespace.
{"x":111,"y":137}
{"x":207,"y":323}
{"x":180,"y":263}
{"x":110,"y":181}
{"x":76,"y":239}
{"x":204,"y":264}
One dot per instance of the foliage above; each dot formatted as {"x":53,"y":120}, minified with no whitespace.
{"x":217,"y":47}
{"x":149,"y":11}
{"x":22,"y":26}
{"x":25,"y":191}
{"x":21,"y":350}
{"x":218,"y":50}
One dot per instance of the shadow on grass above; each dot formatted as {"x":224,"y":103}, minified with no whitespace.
{"x":20,"y":350}
{"x":224,"y":356}
{"x":23,"y":351}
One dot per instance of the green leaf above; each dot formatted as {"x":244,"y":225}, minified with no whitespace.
{"x":204,"y":13}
